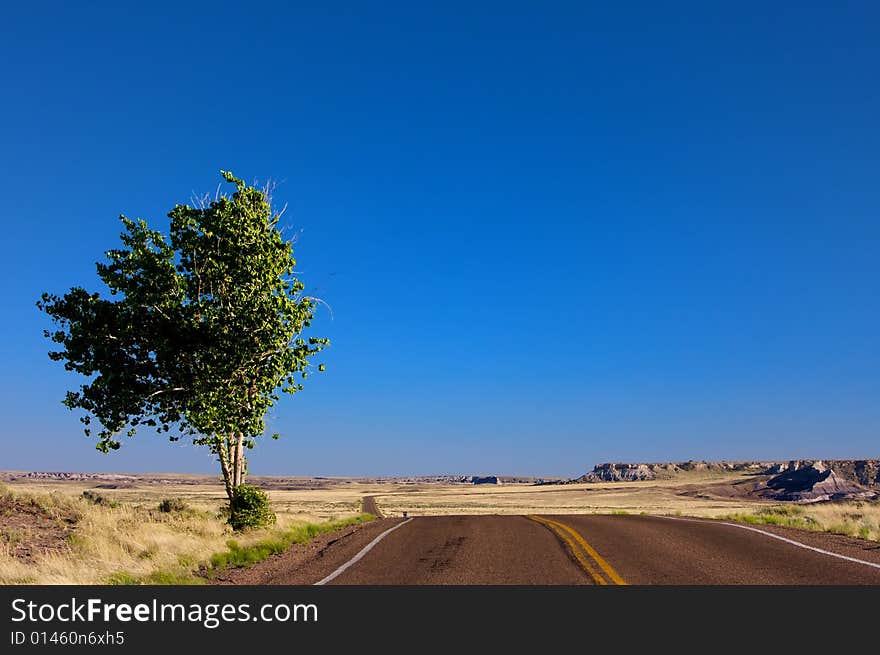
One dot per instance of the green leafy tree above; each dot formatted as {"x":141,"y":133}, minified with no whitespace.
{"x":203,"y":329}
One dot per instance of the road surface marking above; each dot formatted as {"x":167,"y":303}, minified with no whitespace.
{"x":605,"y":566}
{"x":366,"y":549}
{"x":776,"y":536}
{"x":572,"y":546}
{"x":573,"y":539}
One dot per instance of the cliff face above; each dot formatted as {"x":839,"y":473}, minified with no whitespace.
{"x":615,"y":472}
{"x":795,"y":480}
{"x":611,"y":472}
{"x":865,"y":472}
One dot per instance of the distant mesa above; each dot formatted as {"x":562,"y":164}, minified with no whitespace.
{"x":127,"y":481}
{"x":617,"y":472}
{"x":460,"y":479}
{"x":58,"y":475}
{"x":802,"y":481}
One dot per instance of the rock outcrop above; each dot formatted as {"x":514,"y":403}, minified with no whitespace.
{"x":804,"y":481}
{"x":611,"y":472}
{"x":865,"y":472}
{"x":816,"y":481}
{"x":615,"y":472}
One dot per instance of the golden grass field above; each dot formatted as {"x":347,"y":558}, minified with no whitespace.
{"x":650,"y":497}
{"x":127,"y":536}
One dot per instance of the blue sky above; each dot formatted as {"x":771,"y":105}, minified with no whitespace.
{"x":551,"y":234}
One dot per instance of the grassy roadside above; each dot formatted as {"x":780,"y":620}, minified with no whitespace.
{"x":65,"y":539}
{"x":237,"y":555}
{"x":853,"y":519}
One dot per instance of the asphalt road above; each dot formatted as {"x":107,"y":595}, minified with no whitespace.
{"x":369,"y":506}
{"x":596,"y":549}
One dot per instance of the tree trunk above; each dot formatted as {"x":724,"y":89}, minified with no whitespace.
{"x":224,"y":452}
{"x":233,"y":464}
{"x":238,"y":460}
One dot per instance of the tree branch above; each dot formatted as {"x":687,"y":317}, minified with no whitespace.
{"x":156,"y":393}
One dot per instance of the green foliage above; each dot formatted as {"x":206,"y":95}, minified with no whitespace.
{"x":173,"y":505}
{"x":161,"y":577}
{"x":249,"y":508}
{"x":237,"y":555}
{"x":202,"y":330}
{"x":790,"y":516}
{"x":171,"y":577}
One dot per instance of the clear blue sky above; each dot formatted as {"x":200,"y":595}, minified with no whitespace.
{"x":552,"y":234}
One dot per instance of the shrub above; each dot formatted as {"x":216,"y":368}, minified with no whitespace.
{"x":250,"y":508}
{"x":173,"y":505}
{"x":98,"y":499}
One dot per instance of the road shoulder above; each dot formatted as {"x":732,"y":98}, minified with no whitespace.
{"x":836,"y":543}
{"x":305,"y":564}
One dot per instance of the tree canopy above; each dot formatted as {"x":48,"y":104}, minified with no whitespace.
{"x":201,"y":332}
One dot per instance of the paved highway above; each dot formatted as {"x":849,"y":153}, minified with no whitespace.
{"x":598,"y":549}
{"x":369,"y":506}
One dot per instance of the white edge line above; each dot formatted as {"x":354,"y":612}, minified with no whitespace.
{"x":775,"y":536}
{"x":366,"y":549}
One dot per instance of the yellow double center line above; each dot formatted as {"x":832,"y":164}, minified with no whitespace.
{"x":583,"y":552}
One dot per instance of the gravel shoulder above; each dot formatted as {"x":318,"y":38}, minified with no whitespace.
{"x":305,"y":564}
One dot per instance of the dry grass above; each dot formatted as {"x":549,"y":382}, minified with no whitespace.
{"x":300,"y":504}
{"x":692,"y":495}
{"x":853,"y":519}
{"x":127,"y":539}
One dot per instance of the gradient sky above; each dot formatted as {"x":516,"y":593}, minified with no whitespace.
{"x":552,"y":234}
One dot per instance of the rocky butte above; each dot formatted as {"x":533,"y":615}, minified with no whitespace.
{"x":794,"y":480}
